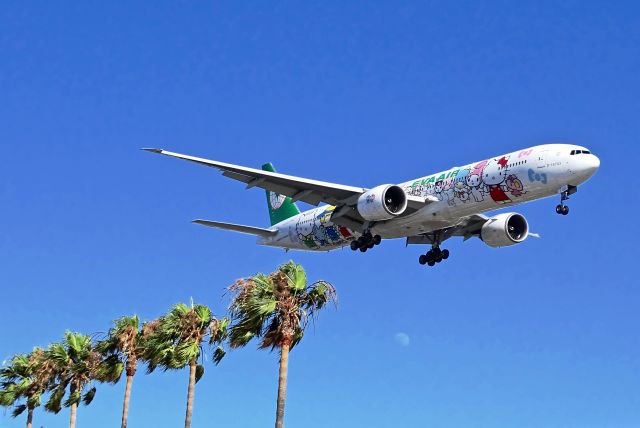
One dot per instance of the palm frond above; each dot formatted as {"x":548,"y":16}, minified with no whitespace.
{"x":18,"y":410}
{"x":54,"y":404}
{"x":199,"y":372}
{"x":89,"y":396}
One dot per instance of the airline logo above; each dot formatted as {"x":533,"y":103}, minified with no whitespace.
{"x":276,"y":200}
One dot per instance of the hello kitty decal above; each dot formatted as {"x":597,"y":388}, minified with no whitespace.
{"x":494,"y":175}
{"x":493,"y":179}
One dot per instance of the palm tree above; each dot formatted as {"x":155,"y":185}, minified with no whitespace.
{"x":175,"y":341}
{"x":76,"y":365}
{"x":124,"y":342}
{"x":276,"y":308}
{"x":22,"y":383}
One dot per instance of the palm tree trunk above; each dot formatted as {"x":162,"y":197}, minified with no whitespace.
{"x":190,"y":393}
{"x":29,"y":417}
{"x":282,"y":384}
{"x":72,"y":418}
{"x":125,"y":404}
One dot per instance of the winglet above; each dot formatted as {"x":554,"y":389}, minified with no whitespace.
{"x":146,"y":149}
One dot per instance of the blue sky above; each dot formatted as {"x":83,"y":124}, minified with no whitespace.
{"x":544,"y":334}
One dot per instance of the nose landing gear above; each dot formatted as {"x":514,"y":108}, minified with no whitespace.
{"x":561,"y":208}
{"x":433,"y":256}
{"x":366,"y":242}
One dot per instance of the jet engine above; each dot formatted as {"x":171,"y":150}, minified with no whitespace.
{"x":504,"y":230}
{"x":382,"y":202}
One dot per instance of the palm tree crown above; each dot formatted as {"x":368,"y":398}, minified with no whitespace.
{"x":22,"y":383}
{"x":276,"y":308}
{"x":77,"y":364}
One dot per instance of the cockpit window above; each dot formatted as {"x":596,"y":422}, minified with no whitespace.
{"x":577,"y":152}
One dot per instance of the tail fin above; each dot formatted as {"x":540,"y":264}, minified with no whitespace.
{"x":280,"y":206}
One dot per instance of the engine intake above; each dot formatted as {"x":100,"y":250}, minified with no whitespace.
{"x":504,"y":230}
{"x":382,"y":202}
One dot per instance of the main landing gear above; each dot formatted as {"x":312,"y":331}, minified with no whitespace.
{"x":561,"y":208}
{"x":433,"y":256}
{"x":366,"y":242}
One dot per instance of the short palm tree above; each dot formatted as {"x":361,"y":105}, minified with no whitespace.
{"x":176,"y":340}
{"x":125,"y":342}
{"x":77,"y":364}
{"x":22,"y":383}
{"x":276,"y":309}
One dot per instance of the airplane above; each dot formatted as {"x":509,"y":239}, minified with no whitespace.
{"x":427,"y":210}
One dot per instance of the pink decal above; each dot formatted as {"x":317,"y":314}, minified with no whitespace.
{"x":525,"y":153}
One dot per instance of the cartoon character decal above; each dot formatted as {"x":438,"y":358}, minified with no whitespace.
{"x":515,"y":186}
{"x":474,"y":181}
{"x":449,"y":191}
{"x":438,"y":189}
{"x":316,"y":230}
{"x":494,"y":175}
{"x":462,"y":191}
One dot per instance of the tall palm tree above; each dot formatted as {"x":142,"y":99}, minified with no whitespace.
{"x":22,"y":383}
{"x":276,"y":309}
{"x":125,"y":341}
{"x":175,"y":341}
{"x":77,"y":364}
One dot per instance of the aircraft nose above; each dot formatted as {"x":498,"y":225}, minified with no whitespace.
{"x":590,"y":164}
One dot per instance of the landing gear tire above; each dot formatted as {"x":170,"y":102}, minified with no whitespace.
{"x":565,"y":209}
{"x":366,"y":242}
{"x":433,"y":256}
{"x":559,"y":209}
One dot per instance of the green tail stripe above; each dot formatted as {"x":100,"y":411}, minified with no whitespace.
{"x":280,"y":207}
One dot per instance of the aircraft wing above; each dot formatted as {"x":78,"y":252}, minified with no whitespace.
{"x":468,"y":227}
{"x":298,"y":188}
{"x":249,"y":230}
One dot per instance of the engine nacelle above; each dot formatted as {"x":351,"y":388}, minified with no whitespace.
{"x":504,"y":230}
{"x":382,"y":202}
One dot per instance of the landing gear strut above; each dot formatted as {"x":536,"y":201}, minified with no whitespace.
{"x":563,"y":209}
{"x":435,"y":254}
{"x":366,"y":242}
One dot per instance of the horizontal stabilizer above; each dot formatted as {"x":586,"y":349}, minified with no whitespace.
{"x":250,"y":230}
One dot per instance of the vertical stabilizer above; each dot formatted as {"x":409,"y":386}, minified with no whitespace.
{"x":280,"y":206}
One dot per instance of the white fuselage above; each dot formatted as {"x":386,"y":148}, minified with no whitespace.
{"x":510,"y":179}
